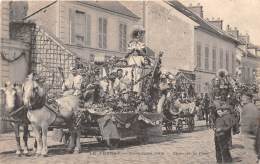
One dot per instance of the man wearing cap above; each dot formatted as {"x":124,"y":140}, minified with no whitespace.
{"x":249,"y":123}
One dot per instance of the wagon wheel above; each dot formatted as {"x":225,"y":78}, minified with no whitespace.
{"x":190,"y":122}
{"x":112,"y":143}
{"x":179,"y":126}
{"x":168,"y":126}
{"x":100,"y":139}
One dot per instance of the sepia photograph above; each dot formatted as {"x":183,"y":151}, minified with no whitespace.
{"x":129,"y":82}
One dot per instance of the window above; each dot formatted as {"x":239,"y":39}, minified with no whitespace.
{"x":221,"y":58}
{"x":79,"y":28}
{"x":122,"y":37}
{"x":227,"y":61}
{"x":206,"y":58}
{"x":214,"y":60}
{"x":198,"y":55}
{"x":102,"y":33}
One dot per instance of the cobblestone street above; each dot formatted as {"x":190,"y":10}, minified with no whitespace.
{"x":185,"y":148}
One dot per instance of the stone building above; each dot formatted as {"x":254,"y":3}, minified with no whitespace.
{"x":214,"y":48}
{"x":167,"y":30}
{"x":91,"y":29}
{"x":190,"y":42}
{"x":14,"y":53}
{"x":247,"y":54}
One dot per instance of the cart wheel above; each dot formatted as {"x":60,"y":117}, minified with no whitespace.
{"x":100,"y":139}
{"x":179,"y":126}
{"x":168,"y":127}
{"x":112,"y":143}
{"x":191,"y":124}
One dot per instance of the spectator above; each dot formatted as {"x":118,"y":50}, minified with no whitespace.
{"x":223,"y":126}
{"x":249,"y":124}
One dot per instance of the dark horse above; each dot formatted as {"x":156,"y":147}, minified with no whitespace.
{"x":14,"y":106}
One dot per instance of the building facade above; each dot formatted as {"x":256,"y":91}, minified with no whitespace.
{"x":167,"y":30}
{"x":213,"y":53}
{"x":247,"y":54}
{"x":14,"y":53}
{"x":214,"y":48}
{"x":92,"y":29}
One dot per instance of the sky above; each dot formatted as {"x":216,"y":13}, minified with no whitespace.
{"x":243,"y":14}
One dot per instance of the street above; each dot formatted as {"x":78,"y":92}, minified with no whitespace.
{"x":184,"y":148}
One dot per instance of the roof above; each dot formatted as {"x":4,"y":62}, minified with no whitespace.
{"x":112,"y":6}
{"x":252,"y":46}
{"x":247,"y":53}
{"x":202,"y":23}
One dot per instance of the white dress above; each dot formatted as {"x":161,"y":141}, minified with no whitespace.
{"x":137,"y":71}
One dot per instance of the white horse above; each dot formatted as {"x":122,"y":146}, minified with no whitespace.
{"x":41,"y":116}
{"x":186,"y":108}
{"x":13,"y":104}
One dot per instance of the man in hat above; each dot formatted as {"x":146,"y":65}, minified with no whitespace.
{"x":222,"y":127}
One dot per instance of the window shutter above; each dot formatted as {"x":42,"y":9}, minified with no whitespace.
{"x":124,"y":41}
{"x":227,"y":61}
{"x":100,"y":32}
{"x":104,"y":33}
{"x":120,"y":37}
{"x":72,"y":25}
{"x":88,"y":30}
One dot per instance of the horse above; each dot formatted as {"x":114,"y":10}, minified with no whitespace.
{"x":14,"y":106}
{"x":43,"y":116}
{"x":185,"y":108}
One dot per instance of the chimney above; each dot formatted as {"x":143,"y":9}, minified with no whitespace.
{"x":197,"y":9}
{"x":246,"y":38}
{"x":217,"y":22}
{"x":234,"y":32}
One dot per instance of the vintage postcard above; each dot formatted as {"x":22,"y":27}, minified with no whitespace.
{"x":129,"y":82}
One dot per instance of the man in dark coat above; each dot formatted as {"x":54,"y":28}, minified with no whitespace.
{"x":222,"y":127}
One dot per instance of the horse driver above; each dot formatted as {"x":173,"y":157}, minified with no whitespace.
{"x":72,"y":85}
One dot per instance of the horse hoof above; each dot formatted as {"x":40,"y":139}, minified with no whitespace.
{"x":18,"y":153}
{"x":25,"y":152}
{"x":76,"y":152}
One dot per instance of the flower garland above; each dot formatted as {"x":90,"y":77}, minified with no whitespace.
{"x":11,"y":60}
